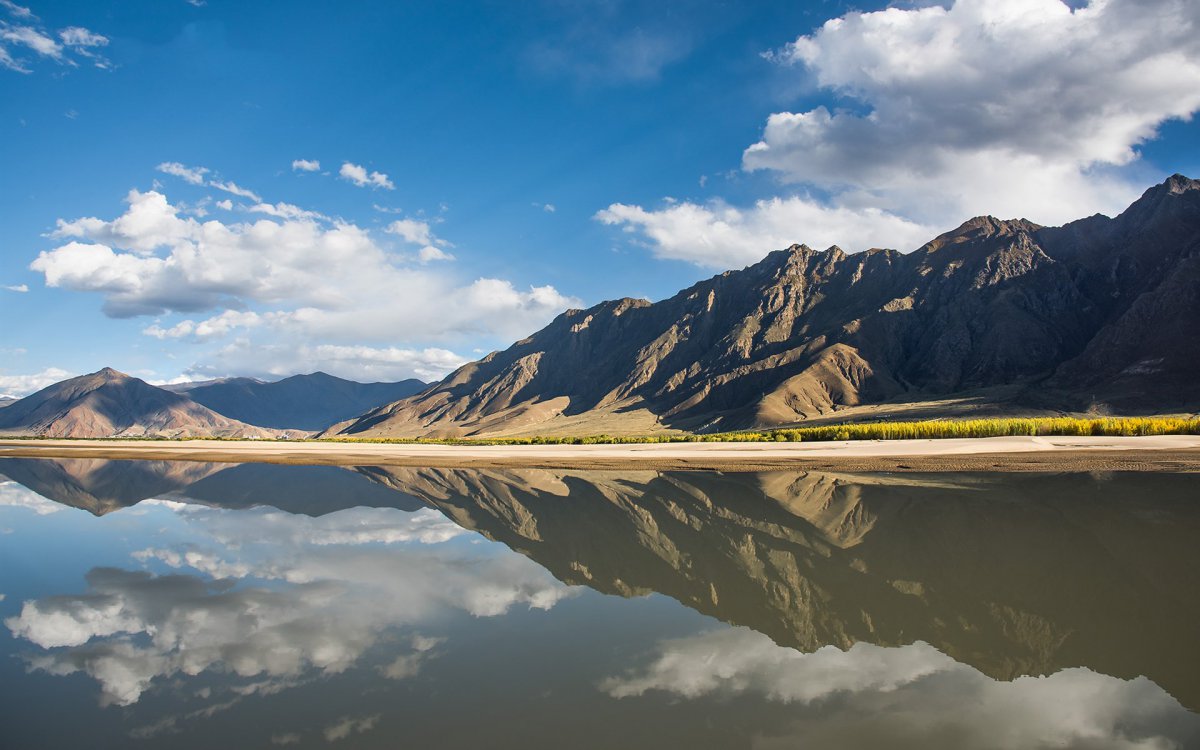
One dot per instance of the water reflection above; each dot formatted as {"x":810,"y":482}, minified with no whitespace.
{"x":922,"y":611}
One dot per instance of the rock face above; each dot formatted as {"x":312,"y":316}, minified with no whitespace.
{"x":111,"y":404}
{"x":1098,"y":313}
{"x":301,"y":402}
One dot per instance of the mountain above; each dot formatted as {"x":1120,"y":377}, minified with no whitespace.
{"x":302,"y":402}
{"x":1099,"y":314}
{"x":7,"y":400}
{"x":110,"y":404}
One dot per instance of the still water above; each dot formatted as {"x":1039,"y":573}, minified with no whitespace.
{"x":189,"y":605}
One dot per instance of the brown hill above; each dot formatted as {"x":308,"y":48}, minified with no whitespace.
{"x":112,"y":404}
{"x":1099,"y":313}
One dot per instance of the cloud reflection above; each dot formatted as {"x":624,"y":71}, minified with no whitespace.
{"x":264,"y":594}
{"x":912,"y":696}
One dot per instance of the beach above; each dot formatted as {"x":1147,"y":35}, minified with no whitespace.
{"x":1157,"y":453}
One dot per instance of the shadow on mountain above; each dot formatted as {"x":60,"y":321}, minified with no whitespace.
{"x":1014,"y":575}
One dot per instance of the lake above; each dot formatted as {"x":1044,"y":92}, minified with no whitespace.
{"x":193,"y":605}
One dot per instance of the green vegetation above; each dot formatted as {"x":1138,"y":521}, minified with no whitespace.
{"x":933,"y":429}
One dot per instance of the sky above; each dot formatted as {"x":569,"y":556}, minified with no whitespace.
{"x":199,"y":188}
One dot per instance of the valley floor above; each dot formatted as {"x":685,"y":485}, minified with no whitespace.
{"x":1154,"y":453}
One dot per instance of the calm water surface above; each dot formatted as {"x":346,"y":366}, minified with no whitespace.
{"x":188,"y":605}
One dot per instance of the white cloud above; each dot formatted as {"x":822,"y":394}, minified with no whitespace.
{"x":76,"y":42}
{"x":359,"y":176}
{"x":198,"y":176}
{"x":224,"y":205}
{"x":286,"y":211}
{"x":914,"y":695}
{"x":429,"y":254}
{"x":77,"y":36}
{"x":33,"y":39}
{"x":23,"y":385}
{"x":233,"y":188}
{"x":306,"y":165}
{"x":411,"y":231}
{"x":19,"y":288}
{"x":192,"y":175}
{"x":1014,"y":107}
{"x":722,"y":236}
{"x":19,"y":11}
{"x":214,"y":327}
{"x":329,"y":283}
{"x":354,"y":362}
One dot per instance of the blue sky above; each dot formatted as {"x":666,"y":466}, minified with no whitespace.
{"x":483,"y":166}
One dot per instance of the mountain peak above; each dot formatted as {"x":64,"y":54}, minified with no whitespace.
{"x":109,"y":373}
{"x":1178,"y":184}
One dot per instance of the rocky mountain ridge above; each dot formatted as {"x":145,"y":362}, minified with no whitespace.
{"x":1096,"y":314}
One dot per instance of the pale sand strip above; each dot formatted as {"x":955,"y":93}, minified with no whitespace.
{"x":1163,"y":453}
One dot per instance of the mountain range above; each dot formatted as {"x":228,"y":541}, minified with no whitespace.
{"x":301,"y":402}
{"x":1098,"y":315}
{"x":109,"y":403}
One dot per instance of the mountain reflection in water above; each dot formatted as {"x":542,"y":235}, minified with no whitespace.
{"x":1002,"y":610}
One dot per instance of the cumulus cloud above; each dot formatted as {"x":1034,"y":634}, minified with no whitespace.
{"x":915,"y":696}
{"x":334,"y":592}
{"x":354,"y":362}
{"x":720,"y":236}
{"x":411,"y":231}
{"x":306,"y":165}
{"x":323,"y":280}
{"x":22,"y":385}
{"x":359,"y":175}
{"x":949,"y":121}
{"x":213,"y":327}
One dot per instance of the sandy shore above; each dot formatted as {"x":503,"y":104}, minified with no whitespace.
{"x":1166,"y":453}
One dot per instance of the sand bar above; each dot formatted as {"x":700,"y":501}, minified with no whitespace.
{"x":1163,"y":453}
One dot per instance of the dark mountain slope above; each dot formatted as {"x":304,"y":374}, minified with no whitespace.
{"x":302,"y":402}
{"x":1099,"y":308}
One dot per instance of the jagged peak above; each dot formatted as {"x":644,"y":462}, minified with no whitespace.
{"x":1177,"y":184}
{"x":109,"y":373}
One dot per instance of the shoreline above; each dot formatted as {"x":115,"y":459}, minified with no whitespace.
{"x":1176,"y":453}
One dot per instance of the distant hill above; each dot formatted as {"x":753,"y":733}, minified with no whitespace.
{"x":6,"y":400}
{"x":1100,"y":314}
{"x":302,"y":402}
{"x":110,"y":403}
